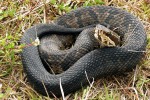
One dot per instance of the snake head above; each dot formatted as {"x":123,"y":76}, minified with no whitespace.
{"x":106,"y":37}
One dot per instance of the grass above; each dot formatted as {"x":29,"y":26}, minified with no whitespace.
{"x":18,"y":15}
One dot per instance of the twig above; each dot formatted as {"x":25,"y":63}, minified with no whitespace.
{"x":49,"y":67}
{"x":91,"y":85}
{"x":44,"y":11}
{"x":45,"y":89}
{"x":87,"y":77}
{"x":36,"y":42}
{"x":136,"y":51}
{"x":134,"y":78}
{"x":62,"y":92}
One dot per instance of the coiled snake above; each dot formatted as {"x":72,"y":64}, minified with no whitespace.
{"x":96,"y":63}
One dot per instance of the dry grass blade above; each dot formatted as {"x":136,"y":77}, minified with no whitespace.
{"x":61,"y":88}
{"x":91,"y":85}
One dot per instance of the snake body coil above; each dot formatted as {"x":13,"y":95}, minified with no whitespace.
{"x":97,"y":63}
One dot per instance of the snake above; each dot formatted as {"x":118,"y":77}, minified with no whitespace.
{"x":85,"y":63}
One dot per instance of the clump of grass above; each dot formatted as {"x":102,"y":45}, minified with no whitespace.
{"x":17,"y":16}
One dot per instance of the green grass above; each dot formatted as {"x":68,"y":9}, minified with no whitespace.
{"x":18,"y":15}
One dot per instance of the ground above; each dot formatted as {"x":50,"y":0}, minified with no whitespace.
{"x":18,"y":15}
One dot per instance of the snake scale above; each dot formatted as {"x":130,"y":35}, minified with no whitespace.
{"x":96,"y":63}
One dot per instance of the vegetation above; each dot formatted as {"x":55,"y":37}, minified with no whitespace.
{"x":18,"y":15}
